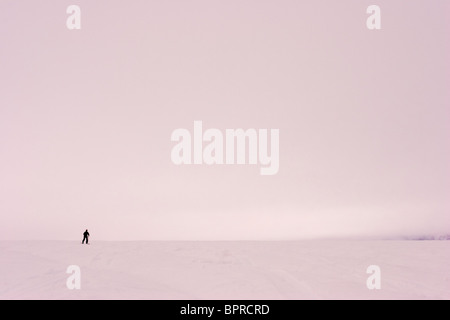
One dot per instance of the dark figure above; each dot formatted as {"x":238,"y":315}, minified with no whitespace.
{"x":85,"y":236}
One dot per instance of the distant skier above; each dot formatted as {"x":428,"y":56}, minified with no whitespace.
{"x":85,"y":237}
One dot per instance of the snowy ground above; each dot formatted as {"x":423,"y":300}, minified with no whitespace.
{"x":225,"y":270}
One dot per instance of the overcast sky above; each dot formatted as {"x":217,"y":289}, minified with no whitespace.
{"x":86,"y":118}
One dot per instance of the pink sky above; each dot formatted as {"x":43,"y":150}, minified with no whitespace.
{"x":86,"y":118}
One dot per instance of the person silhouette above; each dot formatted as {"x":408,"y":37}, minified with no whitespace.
{"x":85,"y":237}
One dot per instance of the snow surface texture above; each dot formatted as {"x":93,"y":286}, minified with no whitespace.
{"x":225,"y":270}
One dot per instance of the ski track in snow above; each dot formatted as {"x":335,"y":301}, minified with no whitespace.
{"x":225,"y":270}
